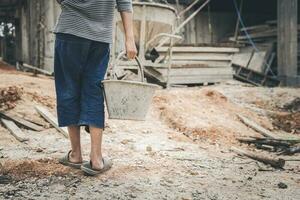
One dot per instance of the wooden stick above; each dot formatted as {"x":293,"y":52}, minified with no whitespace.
{"x":14,"y":130}
{"x":265,"y":141}
{"x":37,"y":69}
{"x":51,"y":119}
{"x":21,"y":122}
{"x":257,"y":127}
{"x":274,"y":162}
{"x":292,"y":150}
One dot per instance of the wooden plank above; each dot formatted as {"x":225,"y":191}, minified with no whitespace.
{"x":255,"y":28}
{"x":265,"y":34}
{"x":51,"y":119}
{"x":200,"y":49}
{"x":274,"y":162}
{"x":257,"y":127}
{"x":201,"y":63}
{"x":37,"y":69}
{"x":14,"y":130}
{"x":242,"y":59}
{"x":21,"y":122}
{"x":196,"y":71}
{"x":200,"y":57}
{"x":199,"y":79}
{"x":192,"y":79}
{"x":258,"y":61}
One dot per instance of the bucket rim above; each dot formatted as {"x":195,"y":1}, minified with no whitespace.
{"x":133,"y":82}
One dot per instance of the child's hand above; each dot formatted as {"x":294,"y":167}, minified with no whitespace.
{"x":131,"y":50}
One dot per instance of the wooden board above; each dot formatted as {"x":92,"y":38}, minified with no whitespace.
{"x":200,"y":57}
{"x":242,"y":59}
{"x":14,"y":130}
{"x":200,"y":63}
{"x":200,"y":49}
{"x":51,"y":119}
{"x":258,"y":61}
{"x":195,"y":71}
{"x":192,"y":75}
{"x":21,"y":122}
{"x":257,"y":127}
{"x":200,"y":79}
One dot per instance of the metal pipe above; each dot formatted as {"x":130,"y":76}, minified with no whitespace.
{"x":162,"y":35}
{"x":188,"y":8}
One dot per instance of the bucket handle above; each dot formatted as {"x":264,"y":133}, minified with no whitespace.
{"x":140,"y":67}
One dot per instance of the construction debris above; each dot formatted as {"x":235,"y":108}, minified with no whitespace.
{"x":270,"y":142}
{"x":289,"y":122}
{"x":51,"y":119}
{"x":293,"y":106}
{"x":257,"y":127}
{"x":14,"y":130}
{"x":8,"y":97}
{"x":195,"y":64}
{"x":21,"y":122}
{"x":255,"y":62}
{"x":208,"y":116}
{"x":282,"y":146}
{"x":274,"y":162}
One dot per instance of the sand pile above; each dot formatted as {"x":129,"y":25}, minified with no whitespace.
{"x":204,"y":114}
{"x":20,"y":169}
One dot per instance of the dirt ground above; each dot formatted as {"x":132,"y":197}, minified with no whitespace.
{"x":182,"y":151}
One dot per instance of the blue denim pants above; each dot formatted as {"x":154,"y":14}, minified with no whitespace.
{"x":79,"y":67}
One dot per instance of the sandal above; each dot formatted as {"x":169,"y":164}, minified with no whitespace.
{"x":88,"y":169}
{"x":65,"y":161}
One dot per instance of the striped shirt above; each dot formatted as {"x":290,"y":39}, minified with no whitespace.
{"x":90,"y":19}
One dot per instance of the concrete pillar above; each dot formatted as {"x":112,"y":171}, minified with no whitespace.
{"x":287,"y":42}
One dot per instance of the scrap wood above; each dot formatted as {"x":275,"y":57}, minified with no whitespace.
{"x":4,"y":179}
{"x":21,"y":122}
{"x":291,"y":150}
{"x":14,"y":130}
{"x":274,"y":162}
{"x":51,"y":119}
{"x":257,"y":127}
{"x":35,"y":69}
{"x":284,"y":146}
{"x":269,"y":141}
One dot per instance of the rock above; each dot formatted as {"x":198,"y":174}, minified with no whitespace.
{"x":282,"y":185}
{"x":126,"y":141}
{"x":39,"y":150}
{"x":146,"y":131}
{"x":133,"y":196}
{"x":194,"y":173}
{"x":149,"y":148}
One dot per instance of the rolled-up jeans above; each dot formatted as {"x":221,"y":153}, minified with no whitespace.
{"x":80,"y":65}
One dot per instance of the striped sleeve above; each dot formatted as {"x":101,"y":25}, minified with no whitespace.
{"x":124,"y":5}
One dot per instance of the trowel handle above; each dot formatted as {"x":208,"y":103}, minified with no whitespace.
{"x":140,"y":66}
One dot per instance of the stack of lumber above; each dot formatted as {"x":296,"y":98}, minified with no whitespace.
{"x":256,"y":66}
{"x":194,"y":64}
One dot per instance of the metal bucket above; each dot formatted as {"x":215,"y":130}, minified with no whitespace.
{"x":128,"y":100}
